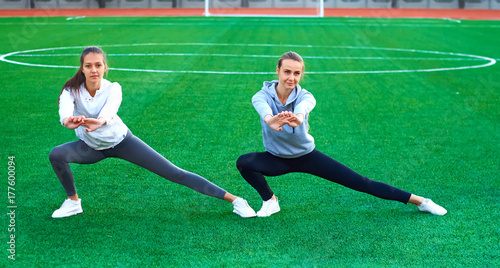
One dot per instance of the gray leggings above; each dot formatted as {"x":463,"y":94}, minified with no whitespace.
{"x":133,"y":150}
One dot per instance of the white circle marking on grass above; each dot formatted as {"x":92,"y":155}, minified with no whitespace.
{"x":489,"y":61}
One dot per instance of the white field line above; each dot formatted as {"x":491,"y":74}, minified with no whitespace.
{"x":251,"y":56}
{"x":459,"y":56}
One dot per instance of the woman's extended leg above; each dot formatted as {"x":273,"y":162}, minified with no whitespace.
{"x":321,"y":165}
{"x":134,"y":150}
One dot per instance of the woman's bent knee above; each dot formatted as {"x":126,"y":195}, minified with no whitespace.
{"x":56,"y":155}
{"x":243,"y":162}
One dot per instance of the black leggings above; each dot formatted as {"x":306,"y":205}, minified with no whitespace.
{"x":254,"y":166}
{"x":133,"y":150}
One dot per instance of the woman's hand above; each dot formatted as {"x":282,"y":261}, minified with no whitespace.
{"x":73,"y":122}
{"x":293,"y":120}
{"x":93,"y":124}
{"x":275,"y":122}
{"x":284,"y":118}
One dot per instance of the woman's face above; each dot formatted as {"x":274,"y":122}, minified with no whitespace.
{"x":290,"y":73}
{"x":93,"y":67}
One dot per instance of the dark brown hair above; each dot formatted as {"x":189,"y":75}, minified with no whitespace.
{"x":75,"y":82}
{"x":290,"y":55}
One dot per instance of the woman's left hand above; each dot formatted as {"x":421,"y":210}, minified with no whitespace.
{"x":93,"y":124}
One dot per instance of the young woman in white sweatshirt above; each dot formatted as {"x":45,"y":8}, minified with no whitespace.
{"x":89,"y":104}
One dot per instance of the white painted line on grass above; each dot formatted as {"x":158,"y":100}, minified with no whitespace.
{"x":460,"y":57}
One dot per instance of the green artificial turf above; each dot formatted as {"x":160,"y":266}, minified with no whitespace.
{"x":433,"y":133}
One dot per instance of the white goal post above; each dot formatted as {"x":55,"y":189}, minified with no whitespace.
{"x":263,"y":8}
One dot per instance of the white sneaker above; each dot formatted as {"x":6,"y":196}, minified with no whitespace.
{"x":431,"y":207}
{"x":68,"y":208}
{"x":269,"y":207}
{"x":242,"y":208}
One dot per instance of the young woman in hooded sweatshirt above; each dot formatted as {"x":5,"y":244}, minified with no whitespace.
{"x":284,"y":109}
{"x":89,"y":104}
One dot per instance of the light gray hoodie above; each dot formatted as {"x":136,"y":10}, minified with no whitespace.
{"x":290,"y":142}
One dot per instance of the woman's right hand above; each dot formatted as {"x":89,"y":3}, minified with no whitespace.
{"x":73,"y":122}
{"x":276,"y":122}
